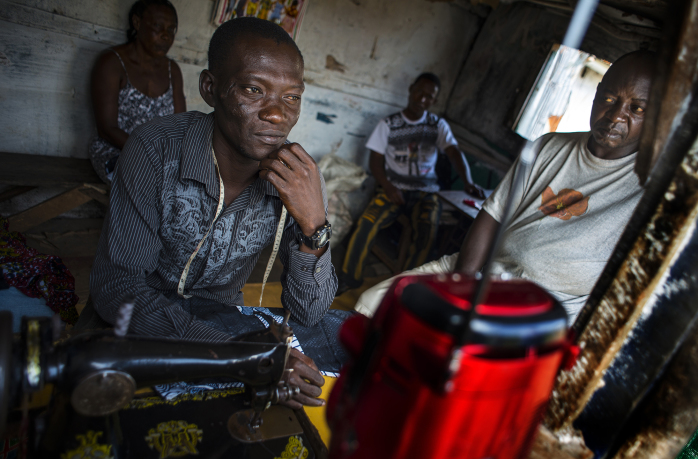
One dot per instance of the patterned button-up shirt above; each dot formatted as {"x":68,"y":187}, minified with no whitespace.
{"x":163,"y":201}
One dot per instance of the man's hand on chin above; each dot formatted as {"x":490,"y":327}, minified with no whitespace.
{"x":294,"y":174}
{"x":304,"y":374}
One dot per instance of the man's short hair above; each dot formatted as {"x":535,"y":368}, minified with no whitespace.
{"x":226,"y":36}
{"x":428,"y":76}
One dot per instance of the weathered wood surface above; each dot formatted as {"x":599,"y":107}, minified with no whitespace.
{"x":45,"y":82}
{"x":549,"y":446}
{"x":46,"y":61}
{"x":69,"y":225}
{"x":106,"y":22}
{"x":476,"y":146}
{"x":47,"y":210}
{"x":678,"y":70}
{"x":670,"y":415}
{"x":383,"y":48}
{"x":14,"y":191}
{"x":34,"y":170}
{"x":503,"y":65}
{"x":99,"y":194}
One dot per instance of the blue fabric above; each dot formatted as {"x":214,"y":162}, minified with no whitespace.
{"x":319,"y":342}
{"x":20,"y":305}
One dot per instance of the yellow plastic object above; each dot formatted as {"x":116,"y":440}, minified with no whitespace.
{"x":272,"y":294}
{"x":41,"y":398}
{"x":317,"y":414}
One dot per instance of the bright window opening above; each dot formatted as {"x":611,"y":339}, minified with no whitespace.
{"x":561,"y":98}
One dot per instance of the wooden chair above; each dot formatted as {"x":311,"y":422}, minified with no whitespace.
{"x":396,"y":265}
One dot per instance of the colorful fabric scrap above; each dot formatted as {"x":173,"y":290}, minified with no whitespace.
{"x":10,"y":448}
{"x":37,"y":275}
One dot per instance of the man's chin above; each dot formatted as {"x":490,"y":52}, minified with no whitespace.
{"x":607,"y":141}
{"x":260,"y":152}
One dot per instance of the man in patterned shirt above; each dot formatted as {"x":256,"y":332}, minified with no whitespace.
{"x":196,"y":198}
{"x":404,"y":148}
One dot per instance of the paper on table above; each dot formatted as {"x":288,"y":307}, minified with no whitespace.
{"x":476,"y":202}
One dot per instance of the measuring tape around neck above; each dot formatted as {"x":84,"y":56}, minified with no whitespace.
{"x":219,"y":208}
{"x":275,"y":250}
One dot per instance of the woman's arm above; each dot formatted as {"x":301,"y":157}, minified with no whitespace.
{"x":180,"y":102}
{"x":106,"y":83}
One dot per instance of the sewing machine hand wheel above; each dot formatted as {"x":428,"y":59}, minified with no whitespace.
{"x":5,"y":366}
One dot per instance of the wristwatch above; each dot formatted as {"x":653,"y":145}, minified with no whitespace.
{"x":319,"y":239}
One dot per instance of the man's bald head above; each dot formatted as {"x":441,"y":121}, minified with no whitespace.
{"x":235,"y":32}
{"x":618,"y":112}
{"x":633,"y":65}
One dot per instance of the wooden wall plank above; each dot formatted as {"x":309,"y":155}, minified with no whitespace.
{"x":99,"y":196}
{"x":503,"y":64}
{"x":47,"y":77}
{"x":107,"y":21}
{"x":45,"y":80}
{"x":47,"y":210}
{"x":33,"y":170}
{"x":14,"y":191}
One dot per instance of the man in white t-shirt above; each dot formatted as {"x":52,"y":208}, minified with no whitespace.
{"x":575,"y":200}
{"x":404,"y":148}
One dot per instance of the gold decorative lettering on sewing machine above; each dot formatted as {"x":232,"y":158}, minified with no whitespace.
{"x":89,"y":448}
{"x":175,"y":438}
{"x":294,"y":449}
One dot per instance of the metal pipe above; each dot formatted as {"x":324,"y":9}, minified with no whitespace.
{"x":581,"y":18}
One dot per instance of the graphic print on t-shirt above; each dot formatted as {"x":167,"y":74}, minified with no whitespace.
{"x":411,"y":149}
{"x":416,"y":159}
{"x":565,"y":205}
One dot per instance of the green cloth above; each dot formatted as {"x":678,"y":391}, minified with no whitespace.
{"x":690,"y":451}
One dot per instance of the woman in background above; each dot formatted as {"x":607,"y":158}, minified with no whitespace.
{"x":135,"y":82}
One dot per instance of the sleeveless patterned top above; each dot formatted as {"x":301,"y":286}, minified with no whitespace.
{"x":135,"y":108}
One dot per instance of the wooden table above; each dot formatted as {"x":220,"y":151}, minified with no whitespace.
{"x":454,"y":236}
{"x":455,"y":198}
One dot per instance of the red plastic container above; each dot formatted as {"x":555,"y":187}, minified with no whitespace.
{"x":403,"y":396}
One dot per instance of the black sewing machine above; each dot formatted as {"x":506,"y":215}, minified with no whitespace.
{"x":95,"y":411}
